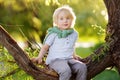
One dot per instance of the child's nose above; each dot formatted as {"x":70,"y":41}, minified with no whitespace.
{"x":65,"y":20}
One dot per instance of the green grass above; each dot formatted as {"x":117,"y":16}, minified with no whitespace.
{"x":83,"y":52}
{"x":107,"y":75}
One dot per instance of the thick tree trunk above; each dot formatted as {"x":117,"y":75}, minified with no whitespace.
{"x":112,"y":46}
{"x":105,"y":56}
{"x":113,"y":31}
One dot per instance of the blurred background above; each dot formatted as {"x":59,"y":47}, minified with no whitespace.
{"x":28,"y":20}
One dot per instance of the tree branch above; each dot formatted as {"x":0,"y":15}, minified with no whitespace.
{"x":21,"y":58}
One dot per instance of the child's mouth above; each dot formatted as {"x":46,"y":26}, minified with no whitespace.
{"x":65,"y":24}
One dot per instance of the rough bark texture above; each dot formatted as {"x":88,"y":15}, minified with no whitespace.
{"x":107,"y":55}
{"x":113,"y":31}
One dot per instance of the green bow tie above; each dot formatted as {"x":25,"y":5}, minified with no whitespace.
{"x":60,"y":33}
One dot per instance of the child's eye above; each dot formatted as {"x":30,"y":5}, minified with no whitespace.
{"x":61,"y":18}
{"x":68,"y":18}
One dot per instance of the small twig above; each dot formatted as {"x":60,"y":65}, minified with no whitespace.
{"x":11,"y":73}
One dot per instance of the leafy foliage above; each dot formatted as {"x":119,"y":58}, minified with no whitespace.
{"x":9,"y":69}
{"x":28,"y":20}
{"x":34,"y":17}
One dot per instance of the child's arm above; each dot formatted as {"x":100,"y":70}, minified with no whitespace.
{"x":43,"y":50}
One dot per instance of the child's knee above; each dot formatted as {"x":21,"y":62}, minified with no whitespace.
{"x":82,"y":67}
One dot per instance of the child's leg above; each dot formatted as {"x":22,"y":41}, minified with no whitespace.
{"x":79,"y":68}
{"x":62,"y":68}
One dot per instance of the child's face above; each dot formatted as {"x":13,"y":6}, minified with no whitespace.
{"x":64,"y":20}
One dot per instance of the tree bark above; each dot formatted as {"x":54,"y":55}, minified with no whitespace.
{"x":113,"y":31}
{"x":108,"y":55}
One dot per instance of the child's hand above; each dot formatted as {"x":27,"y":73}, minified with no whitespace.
{"x":76,"y":57}
{"x":36,"y":60}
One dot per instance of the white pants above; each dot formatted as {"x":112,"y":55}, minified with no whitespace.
{"x":65,"y":68}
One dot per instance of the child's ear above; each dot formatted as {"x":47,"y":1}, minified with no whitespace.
{"x":55,"y":23}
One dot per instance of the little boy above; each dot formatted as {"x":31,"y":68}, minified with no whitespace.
{"x":60,"y":44}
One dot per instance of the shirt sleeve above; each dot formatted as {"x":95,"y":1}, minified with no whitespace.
{"x":50,"y":39}
{"x":75,"y":38}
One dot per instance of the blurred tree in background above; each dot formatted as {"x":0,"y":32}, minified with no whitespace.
{"x":29,"y":19}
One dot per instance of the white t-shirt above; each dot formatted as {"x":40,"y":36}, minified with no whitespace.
{"x":60,"y":48}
